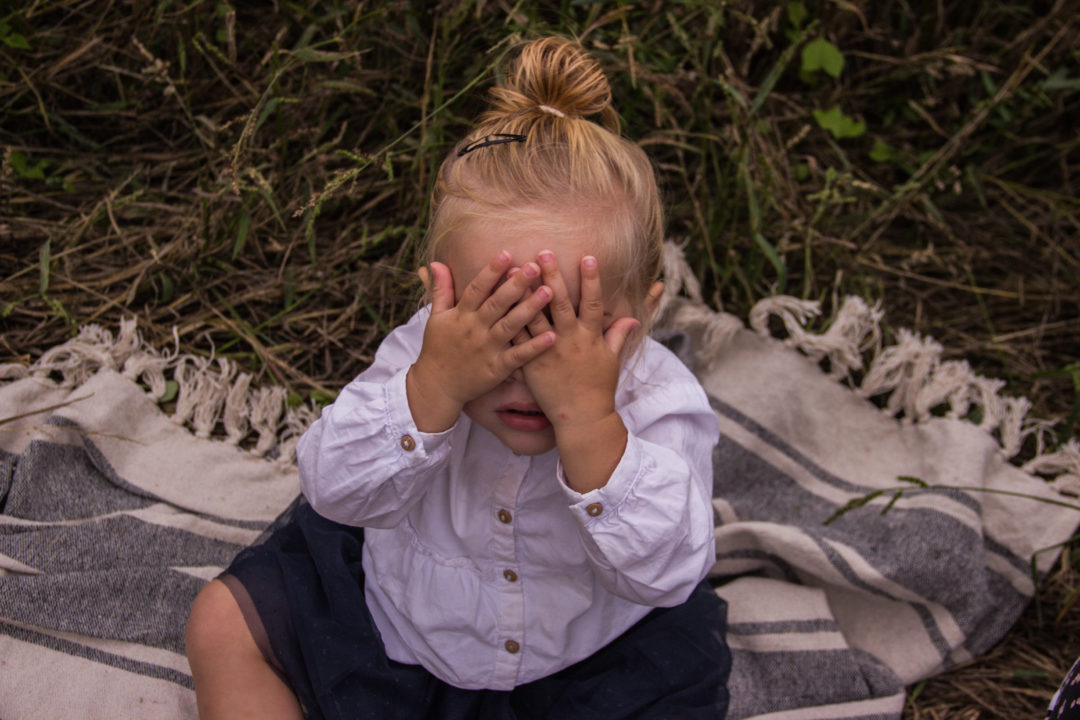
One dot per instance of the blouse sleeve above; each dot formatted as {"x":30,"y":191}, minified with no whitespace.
{"x":649,"y":531}
{"x":364,"y":462}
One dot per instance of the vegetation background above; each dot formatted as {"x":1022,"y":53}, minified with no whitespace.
{"x":255,"y":175}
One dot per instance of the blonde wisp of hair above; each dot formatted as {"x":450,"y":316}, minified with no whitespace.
{"x":572,"y":158}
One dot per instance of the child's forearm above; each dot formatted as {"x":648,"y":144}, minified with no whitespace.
{"x":432,"y":410}
{"x":590,"y":452}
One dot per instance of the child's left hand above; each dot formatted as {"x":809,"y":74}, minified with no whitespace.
{"x":574,"y":381}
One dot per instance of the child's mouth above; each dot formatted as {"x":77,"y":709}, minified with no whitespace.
{"x":523,"y":417}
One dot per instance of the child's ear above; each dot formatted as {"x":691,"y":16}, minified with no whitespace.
{"x":652,"y":298}
{"x":425,"y":280}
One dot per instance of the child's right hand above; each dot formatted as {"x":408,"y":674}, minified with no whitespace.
{"x":466,"y":349}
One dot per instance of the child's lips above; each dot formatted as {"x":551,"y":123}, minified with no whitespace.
{"x":523,"y":416}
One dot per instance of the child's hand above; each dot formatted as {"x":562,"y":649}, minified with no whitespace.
{"x":574,"y":382}
{"x":466,"y":349}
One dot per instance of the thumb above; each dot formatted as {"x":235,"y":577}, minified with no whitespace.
{"x":440,"y":285}
{"x":616,"y":335}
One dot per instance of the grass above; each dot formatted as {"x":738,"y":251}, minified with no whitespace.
{"x":257,"y":177}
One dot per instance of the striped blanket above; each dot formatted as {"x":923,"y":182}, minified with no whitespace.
{"x":863,"y":542}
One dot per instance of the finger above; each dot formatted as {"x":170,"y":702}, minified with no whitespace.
{"x":479,"y":288}
{"x":521,"y":338}
{"x":591,"y":307}
{"x":441,"y":287}
{"x":522,"y":314}
{"x":562,"y":308}
{"x":522,"y":353}
{"x":653,"y":297}
{"x":510,"y":293}
{"x":539,"y":323}
{"x":615,"y":337}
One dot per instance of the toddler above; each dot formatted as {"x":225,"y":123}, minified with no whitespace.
{"x":508,"y":514}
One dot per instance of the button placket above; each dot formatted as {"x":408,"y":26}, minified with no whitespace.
{"x":504,"y":574}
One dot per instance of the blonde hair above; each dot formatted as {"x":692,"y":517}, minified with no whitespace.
{"x":566,"y":161}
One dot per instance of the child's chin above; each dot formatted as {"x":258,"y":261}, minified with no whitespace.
{"x":529,"y":444}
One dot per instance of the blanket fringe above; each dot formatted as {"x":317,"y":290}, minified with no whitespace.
{"x":910,"y":376}
{"x":208,"y":391}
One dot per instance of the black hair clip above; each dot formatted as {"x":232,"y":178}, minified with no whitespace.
{"x":496,"y":139}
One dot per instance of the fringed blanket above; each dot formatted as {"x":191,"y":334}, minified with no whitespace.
{"x":862,"y":545}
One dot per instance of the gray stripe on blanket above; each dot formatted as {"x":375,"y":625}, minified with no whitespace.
{"x":819,"y":472}
{"x":782,"y":626}
{"x":105,"y":573}
{"x":927,"y":619}
{"x":100,"y":656}
{"x":57,"y":481}
{"x":935,"y":546}
{"x":780,"y":563}
{"x":54,"y":481}
{"x":807,"y":679}
{"x":118,"y":541}
{"x":142,"y":605}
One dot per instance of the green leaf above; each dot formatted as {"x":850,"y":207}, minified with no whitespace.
{"x":23,"y":169}
{"x":241,"y":233}
{"x":171,"y":389}
{"x":820,"y":54}
{"x":307,"y":54}
{"x":797,"y":13}
{"x":839,"y":124}
{"x":774,"y":259}
{"x":270,"y":106}
{"x":881,"y":152}
{"x":166,"y":288}
{"x":912,"y":480}
{"x":322,"y":398}
{"x":18,"y":161}
{"x":16,"y":41}
{"x":1059,"y":80}
{"x":45,"y":259}
{"x":896,"y":496}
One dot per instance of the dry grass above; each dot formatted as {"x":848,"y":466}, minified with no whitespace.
{"x":256,"y":176}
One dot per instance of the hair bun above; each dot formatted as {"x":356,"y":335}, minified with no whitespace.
{"x":556,"y":77}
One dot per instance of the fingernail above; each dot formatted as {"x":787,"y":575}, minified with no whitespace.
{"x":546,"y":256}
{"x":531,"y":270}
{"x":589,"y":261}
{"x":503,"y":257}
{"x":513,"y":271}
{"x":543,"y":292}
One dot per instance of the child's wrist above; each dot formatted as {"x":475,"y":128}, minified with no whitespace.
{"x":432,"y":409}
{"x":591,"y":450}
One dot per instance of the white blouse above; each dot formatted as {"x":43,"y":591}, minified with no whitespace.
{"x":485,"y":567}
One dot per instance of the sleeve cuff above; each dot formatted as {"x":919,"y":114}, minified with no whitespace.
{"x":415,"y":445}
{"x":603,"y":503}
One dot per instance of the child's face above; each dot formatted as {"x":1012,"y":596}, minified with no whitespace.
{"x":509,"y":411}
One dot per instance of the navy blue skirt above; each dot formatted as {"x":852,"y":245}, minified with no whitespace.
{"x":302,"y":593}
